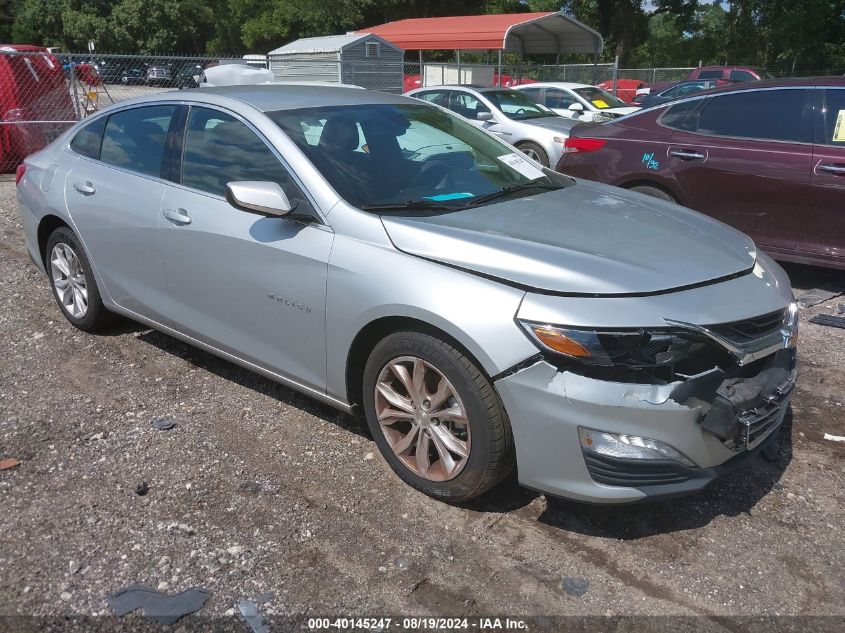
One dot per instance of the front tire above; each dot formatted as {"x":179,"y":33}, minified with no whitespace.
{"x":435,"y":417}
{"x":73,"y":283}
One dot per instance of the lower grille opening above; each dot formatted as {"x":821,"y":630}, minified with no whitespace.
{"x":613,"y":471}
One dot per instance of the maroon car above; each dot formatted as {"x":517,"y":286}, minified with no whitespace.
{"x":766,"y":157}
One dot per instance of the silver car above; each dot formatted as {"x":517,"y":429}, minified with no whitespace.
{"x":384,"y":256}
{"x":533,"y":129}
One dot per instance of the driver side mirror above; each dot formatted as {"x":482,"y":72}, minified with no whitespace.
{"x":484,"y":116}
{"x":576,"y":107}
{"x":266,"y":198}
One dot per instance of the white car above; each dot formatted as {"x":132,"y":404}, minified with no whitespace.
{"x":533,"y":129}
{"x":577,"y":101}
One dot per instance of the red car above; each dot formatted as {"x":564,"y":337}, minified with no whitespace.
{"x":626,"y":89}
{"x":32,"y":88}
{"x":766,"y":157}
{"x":733,"y":74}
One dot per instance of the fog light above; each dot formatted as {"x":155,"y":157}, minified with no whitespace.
{"x":629,"y":446}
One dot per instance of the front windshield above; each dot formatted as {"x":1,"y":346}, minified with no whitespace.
{"x":599,"y":98}
{"x":516,"y":105}
{"x":395,"y":154}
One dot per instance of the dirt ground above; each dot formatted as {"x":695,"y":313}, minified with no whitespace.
{"x":259,"y":489}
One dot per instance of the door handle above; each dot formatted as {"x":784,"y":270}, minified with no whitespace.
{"x":686,"y":154}
{"x":839,"y":170}
{"x":179,"y":216}
{"x":85,"y":188}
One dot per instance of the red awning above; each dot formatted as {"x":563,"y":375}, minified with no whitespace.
{"x":526,"y":33}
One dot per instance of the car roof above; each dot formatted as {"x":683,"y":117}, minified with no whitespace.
{"x":789,"y":82}
{"x":270,"y":97}
{"x":554,"y":84}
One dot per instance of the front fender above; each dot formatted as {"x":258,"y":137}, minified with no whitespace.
{"x":373,"y":281}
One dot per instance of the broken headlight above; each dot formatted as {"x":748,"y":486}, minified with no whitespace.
{"x":632,"y":349}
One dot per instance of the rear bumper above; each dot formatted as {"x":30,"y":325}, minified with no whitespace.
{"x":546,"y":407}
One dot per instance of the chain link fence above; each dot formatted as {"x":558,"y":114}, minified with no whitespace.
{"x":42,"y":94}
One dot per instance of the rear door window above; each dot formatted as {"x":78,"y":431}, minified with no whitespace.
{"x":135,"y":139}
{"x":440,"y":97}
{"x":833,"y":119}
{"x":220,"y":149}
{"x":87,"y":140}
{"x":710,"y":74}
{"x":681,"y":116}
{"x":774,"y":115}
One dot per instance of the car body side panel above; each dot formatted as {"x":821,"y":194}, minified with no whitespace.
{"x":119,"y":224}
{"x":369,"y":280}
{"x":254,"y":286}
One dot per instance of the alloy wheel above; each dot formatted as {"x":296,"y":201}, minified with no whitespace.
{"x":422,"y":418}
{"x":531,"y":154}
{"x":69,"y":280}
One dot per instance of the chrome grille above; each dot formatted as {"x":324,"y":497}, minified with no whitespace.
{"x":747,"y":330}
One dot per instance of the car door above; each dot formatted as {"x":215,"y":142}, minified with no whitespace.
{"x":823,"y":223}
{"x":253,"y":286}
{"x":113,"y":193}
{"x":744,"y":158}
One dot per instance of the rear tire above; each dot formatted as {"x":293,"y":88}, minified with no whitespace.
{"x":655,"y":192}
{"x":73,"y":283}
{"x":532,"y":150}
{"x":468,"y":448}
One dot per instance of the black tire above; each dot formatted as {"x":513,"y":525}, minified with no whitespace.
{"x":491,"y":454}
{"x":655,"y":192}
{"x":96,"y":316}
{"x":541,"y":156}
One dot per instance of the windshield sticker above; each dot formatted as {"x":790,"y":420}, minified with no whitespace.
{"x":600,"y":104}
{"x":649,"y":162}
{"x":839,"y":129}
{"x":449,"y":196}
{"x":518,"y":162}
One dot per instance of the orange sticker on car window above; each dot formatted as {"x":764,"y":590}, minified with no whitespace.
{"x":600,"y":103}
{"x":839,"y":128}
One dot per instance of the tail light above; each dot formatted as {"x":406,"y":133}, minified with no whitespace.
{"x":19,"y":172}
{"x":575,"y":144}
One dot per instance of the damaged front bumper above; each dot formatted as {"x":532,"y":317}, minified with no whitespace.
{"x":714,"y":420}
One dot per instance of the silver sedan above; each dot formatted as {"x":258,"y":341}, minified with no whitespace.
{"x":533,"y":129}
{"x":385,"y":256}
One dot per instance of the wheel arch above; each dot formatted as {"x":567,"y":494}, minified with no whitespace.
{"x":657,"y":184}
{"x":369,"y":336}
{"x":46,"y":226}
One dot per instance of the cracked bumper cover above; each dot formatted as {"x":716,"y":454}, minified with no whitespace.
{"x":701,"y":417}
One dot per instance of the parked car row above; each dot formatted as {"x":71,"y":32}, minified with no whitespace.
{"x":131,"y":72}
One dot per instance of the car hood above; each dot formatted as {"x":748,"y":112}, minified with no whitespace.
{"x":587,"y":239}
{"x":554,"y":123}
{"x":622,"y":111}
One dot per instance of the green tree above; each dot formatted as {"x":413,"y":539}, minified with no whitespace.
{"x":152,"y":26}
{"x":39,"y":22}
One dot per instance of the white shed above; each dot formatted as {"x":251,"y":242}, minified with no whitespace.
{"x":361,"y":59}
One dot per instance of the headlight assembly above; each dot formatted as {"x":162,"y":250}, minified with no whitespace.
{"x":632,"y":349}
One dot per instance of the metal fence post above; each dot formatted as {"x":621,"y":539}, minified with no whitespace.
{"x":615,"y":74}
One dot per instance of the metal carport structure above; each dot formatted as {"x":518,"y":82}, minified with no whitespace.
{"x":523,"y":33}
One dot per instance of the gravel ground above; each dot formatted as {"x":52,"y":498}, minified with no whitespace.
{"x":258,"y":489}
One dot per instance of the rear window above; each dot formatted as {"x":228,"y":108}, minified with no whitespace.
{"x":87,"y":140}
{"x":135,"y":139}
{"x":774,"y":115}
